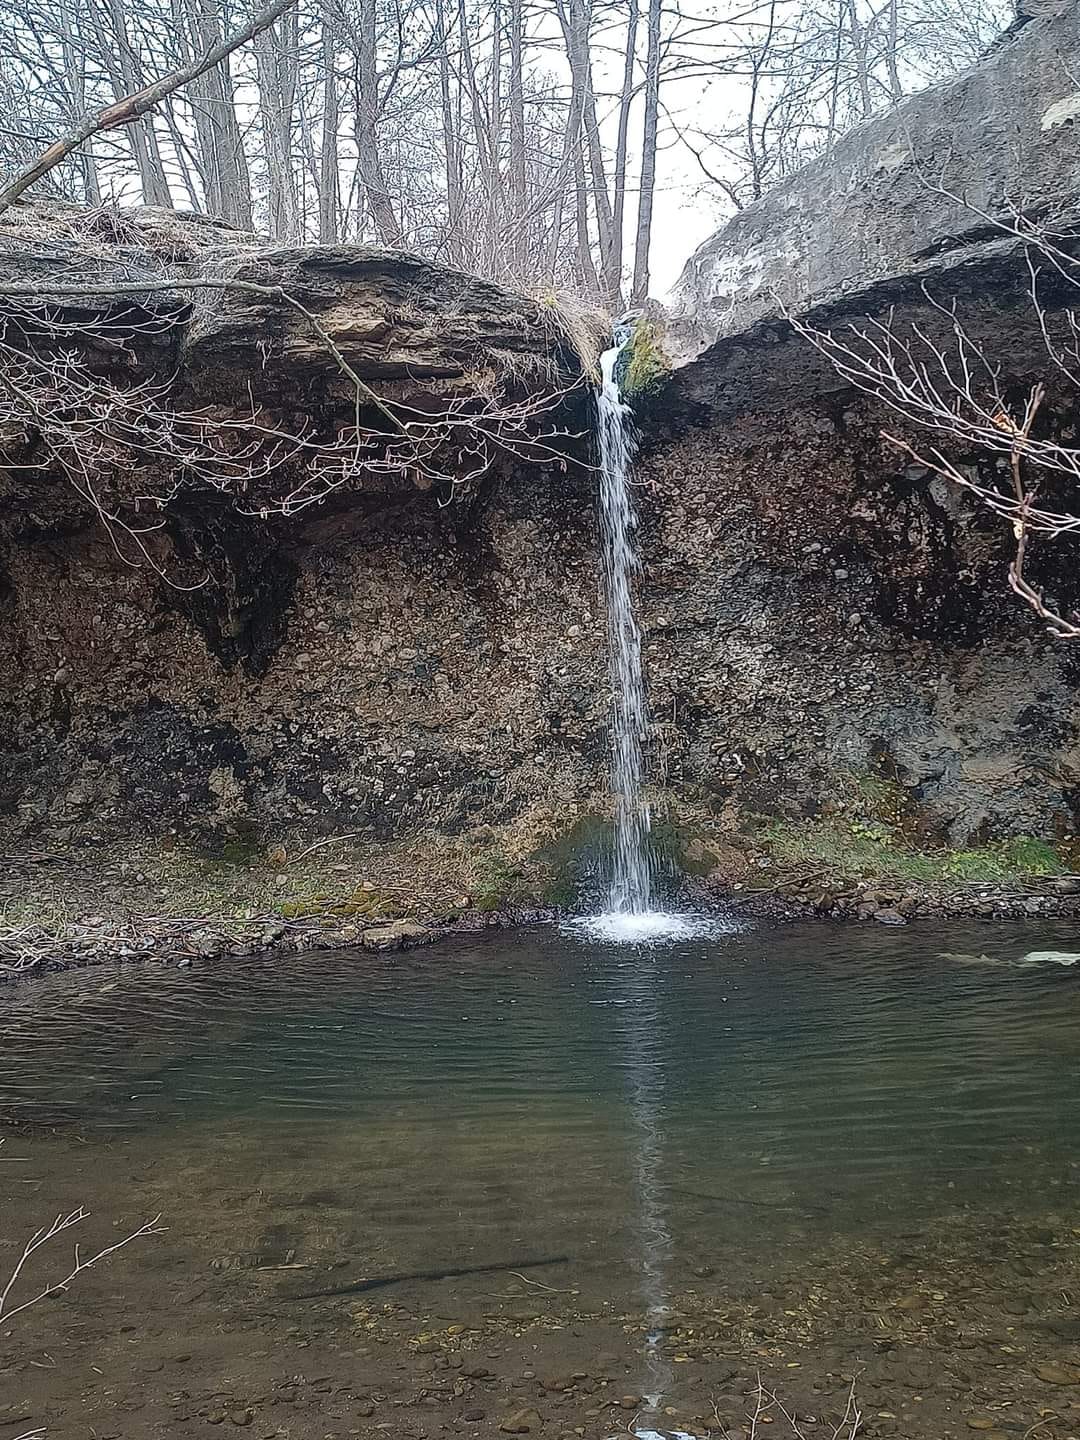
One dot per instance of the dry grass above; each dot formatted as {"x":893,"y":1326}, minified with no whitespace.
{"x":150,"y":241}
{"x":158,"y":899}
{"x":581,"y":327}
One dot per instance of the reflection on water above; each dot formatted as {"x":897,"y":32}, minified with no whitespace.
{"x":744,"y":1145}
{"x":642,"y":1033}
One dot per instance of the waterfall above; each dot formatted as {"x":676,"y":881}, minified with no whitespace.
{"x":630,"y":914}
{"x":631,"y":881}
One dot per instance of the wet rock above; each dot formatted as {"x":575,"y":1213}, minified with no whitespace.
{"x":398,"y":935}
{"x":521,"y":1422}
{"x":889,"y":916}
{"x":1054,"y":1374}
{"x":206,"y":943}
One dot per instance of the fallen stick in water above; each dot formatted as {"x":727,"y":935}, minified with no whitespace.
{"x":379,"y":1282}
{"x":756,"y":1204}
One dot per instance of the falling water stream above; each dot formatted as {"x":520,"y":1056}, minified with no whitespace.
{"x":631,"y":881}
{"x":631,"y":912}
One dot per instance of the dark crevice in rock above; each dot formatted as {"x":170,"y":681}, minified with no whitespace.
{"x":242,"y":586}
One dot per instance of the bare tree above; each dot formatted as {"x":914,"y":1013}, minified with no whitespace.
{"x":937,"y":373}
{"x":277,"y":73}
{"x":511,"y":139}
{"x":643,"y":241}
{"x":329,"y":173}
{"x":224,"y":167}
{"x":128,"y":109}
{"x":804,"y":73}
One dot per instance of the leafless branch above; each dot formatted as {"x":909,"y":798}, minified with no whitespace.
{"x":937,"y":375}
{"x":128,"y":451}
{"x":849,"y":1426}
{"x":80,"y":1264}
{"x":139,"y":103}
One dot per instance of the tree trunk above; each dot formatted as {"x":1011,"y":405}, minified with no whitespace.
{"x":496,"y":220}
{"x":516,"y":103}
{"x":451,"y":141}
{"x":76,"y":72}
{"x":329,"y":178}
{"x":276,"y":64}
{"x":626,"y":101}
{"x":126,"y":76}
{"x":610,"y":261}
{"x":566,"y":174}
{"x":577,"y":27}
{"x":586,"y":266}
{"x":366,"y":121}
{"x":221,"y":150}
{"x":486,"y":161}
{"x":858,"y":46}
{"x":643,"y":239}
{"x":892,"y":55}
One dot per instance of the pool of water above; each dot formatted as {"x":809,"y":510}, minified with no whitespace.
{"x":558,"y":1183}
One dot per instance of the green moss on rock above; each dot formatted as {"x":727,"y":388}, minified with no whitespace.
{"x":859,"y":849}
{"x":645,"y":363}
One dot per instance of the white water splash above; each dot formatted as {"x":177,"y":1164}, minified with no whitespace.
{"x":649,"y":927}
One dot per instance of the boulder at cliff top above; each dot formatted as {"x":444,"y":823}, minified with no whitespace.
{"x":393,"y":315}
{"x":908,"y":198}
{"x":224,"y":369}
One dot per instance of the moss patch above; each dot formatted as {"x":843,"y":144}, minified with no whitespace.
{"x":860,"y":849}
{"x":364,"y":904}
{"x":496,"y":880}
{"x":645,"y":363}
{"x":574,"y":861}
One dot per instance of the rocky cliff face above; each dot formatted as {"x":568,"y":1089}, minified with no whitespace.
{"x":839,"y":611}
{"x":203,"y":652}
{"x":417,"y":657}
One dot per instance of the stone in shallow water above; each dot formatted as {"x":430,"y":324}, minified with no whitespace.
{"x":1058,"y":1374}
{"x":521,"y":1422}
{"x":398,"y":935}
{"x":889,"y":917}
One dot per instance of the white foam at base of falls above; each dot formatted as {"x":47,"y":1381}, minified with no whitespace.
{"x":648,"y":927}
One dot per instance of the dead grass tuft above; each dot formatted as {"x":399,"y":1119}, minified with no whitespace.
{"x":582,"y":328}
